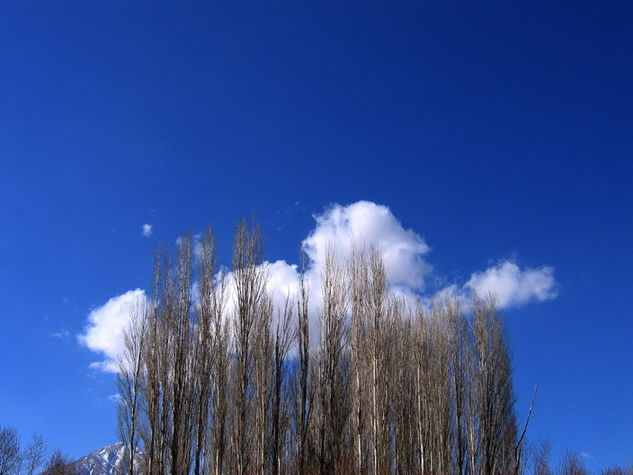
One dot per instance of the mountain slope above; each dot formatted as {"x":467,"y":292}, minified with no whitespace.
{"x":109,"y":460}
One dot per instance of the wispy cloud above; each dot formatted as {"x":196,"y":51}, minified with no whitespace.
{"x":283,"y":217}
{"x":114,"y":398}
{"x":61,"y":335}
{"x":146,"y":230}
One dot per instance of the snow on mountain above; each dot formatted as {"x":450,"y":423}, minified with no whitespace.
{"x":110,"y":460}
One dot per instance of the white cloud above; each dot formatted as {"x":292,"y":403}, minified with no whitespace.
{"x":283,"y":281}
{"x":60,"y":335}
{"x":363,"y":224}
{"x":367,"y":224}
{"x":147,"y":230}
{"x":116,"y":398}
{"x":512,"y":285}
{"x":104,"y":331}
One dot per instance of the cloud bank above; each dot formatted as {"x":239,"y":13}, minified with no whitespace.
{"x":363,"y":223}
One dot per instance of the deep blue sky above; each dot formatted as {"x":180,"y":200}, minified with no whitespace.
{"x":496,"y":130}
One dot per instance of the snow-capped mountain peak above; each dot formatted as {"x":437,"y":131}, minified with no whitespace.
{"x":109,"y":460}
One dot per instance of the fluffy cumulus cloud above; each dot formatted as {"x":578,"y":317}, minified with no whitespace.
{"x":104,"y":332}
{"x":283,"y":282}
{"x":405,"y":256}
{"x":361,"y":224}
{"x":146,"y":230}
{"x":513,"y":286}
{"x":367,"y":224}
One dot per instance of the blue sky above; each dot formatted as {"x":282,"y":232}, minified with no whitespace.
{"x":498,"y":133}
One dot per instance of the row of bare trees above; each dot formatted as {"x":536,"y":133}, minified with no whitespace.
{"x":16,"y":460}
{"x":217,"y":379}
{"x":571,"y":463}
{"x":31,"y":459}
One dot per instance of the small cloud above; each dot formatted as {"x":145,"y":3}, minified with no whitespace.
{"x":60,"y":335}
{"x":114,"y":398}
{"x":586,"y":455}
{"x":147,"y":230}
{"x":514,"y":286}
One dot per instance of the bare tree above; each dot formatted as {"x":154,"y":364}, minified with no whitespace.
{"x":185,"y":360}
{"x":168,"y":359}
{"x":220,"y":389}
{"x":180,"y":398}
{"x":249,"y":280}
{"x":10,"y":456}
{"x":303,"y":390}
{"x":380,"y":353}
{"x":438,"y":394}
{"x":521,"y":444}
{"x":433,"y":389}
{"x":458,"y":348}
{"x":403,"y":390}
{"x":204,"y":350}
{"x":33,"y":455}
{"x":59,"y":464}
{"x":371,"y":352}
{"x":334,"y":406}
{"x":262,"y":381}
{"x":153,"y":366}
{"x":617,"y":471}
{"x":284,"y":335}
{"x":359,"y":290}
{"x":541,"y":453}
{"x":572,"y":464}
{"x":420,"y":349}
{"x":492,"y":387}
{"x":130,"y":383}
